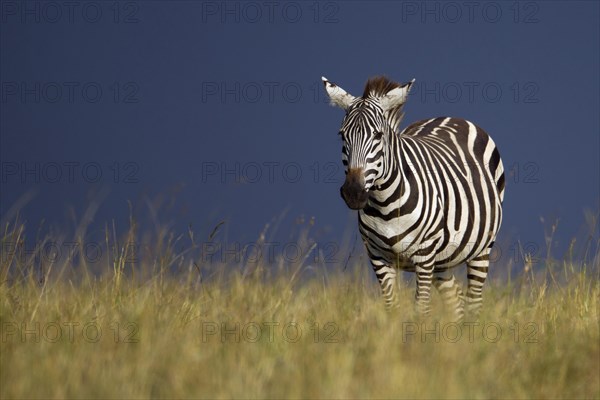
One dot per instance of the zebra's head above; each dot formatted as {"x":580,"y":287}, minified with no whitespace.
{"x":369,"y":124}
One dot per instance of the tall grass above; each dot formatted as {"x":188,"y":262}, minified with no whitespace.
{"x":163,"y":321}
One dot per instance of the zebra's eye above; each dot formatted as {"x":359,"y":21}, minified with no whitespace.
{"x":378,"y":134}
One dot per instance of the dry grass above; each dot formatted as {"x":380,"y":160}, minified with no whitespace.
{"x":290,"y":332}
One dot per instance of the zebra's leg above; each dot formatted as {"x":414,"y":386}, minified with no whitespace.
{"x":423,"y":293}
{"x":386,"y":275}
{"x":477,"y":270}
{"x":452,"y":295}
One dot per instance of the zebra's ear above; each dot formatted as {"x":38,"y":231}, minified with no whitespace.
{"x":395,"y":98}
{"x":338,"y":96}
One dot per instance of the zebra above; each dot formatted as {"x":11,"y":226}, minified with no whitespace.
{"x":429,"y":198}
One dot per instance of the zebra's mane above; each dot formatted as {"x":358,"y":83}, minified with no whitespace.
{"x":379,"y":86}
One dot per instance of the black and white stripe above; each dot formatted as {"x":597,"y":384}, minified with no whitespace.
{"x":429,"y":197}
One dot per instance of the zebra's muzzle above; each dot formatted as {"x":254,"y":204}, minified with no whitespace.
{"x":353,"y":190}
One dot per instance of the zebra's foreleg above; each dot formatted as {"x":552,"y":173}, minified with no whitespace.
{"x":477,"y":270}
{"x":452,"y":295}
{"x":387,"y":279}
{"x":423,"y":293}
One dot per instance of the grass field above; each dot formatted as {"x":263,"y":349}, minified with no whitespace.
{"x":138,"y":330}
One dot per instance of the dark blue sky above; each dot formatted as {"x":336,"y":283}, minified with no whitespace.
{"x":219,"y":106}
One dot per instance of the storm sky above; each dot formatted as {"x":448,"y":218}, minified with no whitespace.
{"x":218,"y":109}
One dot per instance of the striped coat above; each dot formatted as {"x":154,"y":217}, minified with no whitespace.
{"x":429,"y":198}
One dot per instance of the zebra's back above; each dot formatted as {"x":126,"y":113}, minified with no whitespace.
{"x":447,"y":128}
